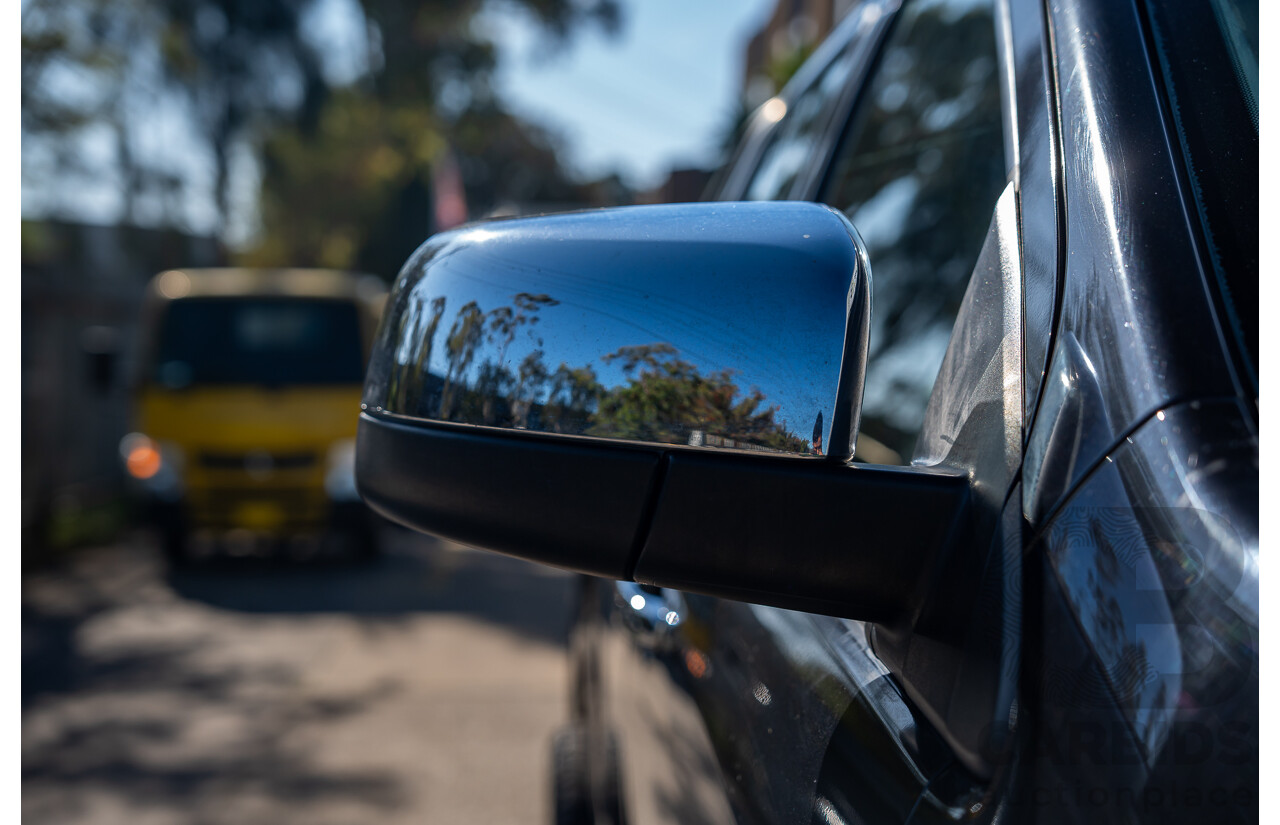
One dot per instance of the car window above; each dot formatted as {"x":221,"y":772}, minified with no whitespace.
{"x":794,"y":141}
{"x":1208,"y":57}
{"x":918,"y":171}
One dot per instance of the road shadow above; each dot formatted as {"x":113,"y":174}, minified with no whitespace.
{"x":415,"y":574}
{"x":118,"y":715}
{"x":145,"y":725}
{"x":155,"y":761}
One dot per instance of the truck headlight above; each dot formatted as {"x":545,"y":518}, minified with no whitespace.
{"x":156,"y":466}
{"x":340,"y":471}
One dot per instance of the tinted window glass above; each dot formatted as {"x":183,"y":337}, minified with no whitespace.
{"x":918,"y":172}
{"x":1208,"y":56}
{"x":792,"y":147}
{"x":268,"y":341}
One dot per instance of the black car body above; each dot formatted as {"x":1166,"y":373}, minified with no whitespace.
{"x":1130,"y":456}
{"x":1059,"y":201}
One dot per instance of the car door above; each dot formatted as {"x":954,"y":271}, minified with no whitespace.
{"x":724,"y":711}
{"x":1141,"y":468}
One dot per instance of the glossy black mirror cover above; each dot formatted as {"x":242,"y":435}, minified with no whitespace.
{"x":465,"y":434}
{"x":737,"y":325}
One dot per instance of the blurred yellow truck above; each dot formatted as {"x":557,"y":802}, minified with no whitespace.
{"x":246,"y":402}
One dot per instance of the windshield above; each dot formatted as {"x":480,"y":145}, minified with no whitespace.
{"x":1208,"y":60}
{"x":269,"y":341}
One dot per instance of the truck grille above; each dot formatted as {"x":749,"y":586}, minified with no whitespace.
{"x":220,"y":506}
{"x":251,"y":460}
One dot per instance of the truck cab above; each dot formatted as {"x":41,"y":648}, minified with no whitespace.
{"x":245,"y":407}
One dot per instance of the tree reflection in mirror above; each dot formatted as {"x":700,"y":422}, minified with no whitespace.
{"x":664,"y":398}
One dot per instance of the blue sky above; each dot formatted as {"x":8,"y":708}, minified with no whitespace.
{"x":656,"y":96}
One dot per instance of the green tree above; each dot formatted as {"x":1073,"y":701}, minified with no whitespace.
{"x":347,"y":167}
{"x":667,"y":399}
{"x":234,"y":66}
{"x":572,"y":400}
{"x":464,"y":337}
{"x":424,"y":116}
{"x":664,"y":398}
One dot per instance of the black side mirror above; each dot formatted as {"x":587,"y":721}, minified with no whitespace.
{"x":663,"y":394}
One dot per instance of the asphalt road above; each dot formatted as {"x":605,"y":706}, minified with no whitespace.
{"x":421,"y":688}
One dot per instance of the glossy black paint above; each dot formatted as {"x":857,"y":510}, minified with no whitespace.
{"x":545,"y":324}
{"x":655,"y":478}
{"x":1135,"y":299}
{"x":1146,"y":679}
{"x":1034,"y":708}
{"x":1085,"y":647}
{"x":722,"y":719}
{"x":971,"y":426}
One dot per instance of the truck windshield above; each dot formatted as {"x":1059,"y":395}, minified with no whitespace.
{"x":268,"y":341}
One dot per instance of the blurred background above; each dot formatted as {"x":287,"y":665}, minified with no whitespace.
{"x":215,"y":194}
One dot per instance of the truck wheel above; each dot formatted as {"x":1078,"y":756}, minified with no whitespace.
{"x":570,"y":786}
{"x":611,"y":783}
{"x":367,"y":538}
{"x":173,"y":541}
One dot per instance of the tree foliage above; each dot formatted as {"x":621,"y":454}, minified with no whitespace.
{"x":231,"y":67}
{"x":667,"y":399}
{"x":663,"y":398}
{"x":350,"y":167}
{"x":395,"y":142}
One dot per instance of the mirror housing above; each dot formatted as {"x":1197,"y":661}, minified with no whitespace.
{"x":645,"y":394}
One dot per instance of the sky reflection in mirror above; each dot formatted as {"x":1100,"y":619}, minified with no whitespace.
{"x":704,"y":325}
